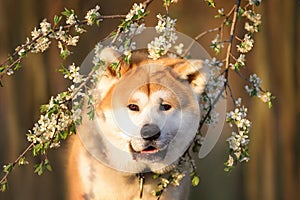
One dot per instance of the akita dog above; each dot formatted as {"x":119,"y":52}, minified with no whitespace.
{"x":146,"y":116}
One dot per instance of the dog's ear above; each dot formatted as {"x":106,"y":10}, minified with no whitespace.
{"x":110,"y":55}
{"x":115,"y":61}
{"x":195,"y":72}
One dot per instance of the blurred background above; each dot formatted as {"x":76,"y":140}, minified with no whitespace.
{"x":273,"y":173}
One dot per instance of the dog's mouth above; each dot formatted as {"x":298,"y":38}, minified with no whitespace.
{"x":150,"y":153}
{"x":149,"y":150}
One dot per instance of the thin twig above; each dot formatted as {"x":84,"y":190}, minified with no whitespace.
{"x":231,"y":94}
{"x":227,"y":59}
{"x":198,"y":37}
{"x":119,"y":30}
{"x":16,"y":161}
{"x":212,"y":105}
{"x":147,"y":3}
{"x":231,"y":34}
{"x":66,"y":27}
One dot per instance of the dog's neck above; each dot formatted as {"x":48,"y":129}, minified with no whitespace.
{"x":90,"y":178}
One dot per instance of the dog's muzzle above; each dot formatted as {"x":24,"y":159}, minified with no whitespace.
{"x":150,"y":132}
{"x":146,"y":148}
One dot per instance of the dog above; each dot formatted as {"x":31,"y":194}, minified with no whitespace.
{"x":146,"y":116}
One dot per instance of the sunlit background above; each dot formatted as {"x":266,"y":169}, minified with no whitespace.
{"x":273,"y":173}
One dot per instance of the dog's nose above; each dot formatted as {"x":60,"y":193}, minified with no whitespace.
{"x":150,"y":132}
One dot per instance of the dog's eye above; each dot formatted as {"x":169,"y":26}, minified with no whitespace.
{"x":133,"y":107}
{"x":165,"y":107}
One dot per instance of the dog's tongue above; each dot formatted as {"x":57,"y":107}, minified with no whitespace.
{"x":150,"y":150}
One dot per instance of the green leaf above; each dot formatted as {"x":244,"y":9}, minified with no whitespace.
{"x":4,"y":186}
{"x":218,"y":16}
{"x":228,"y":169}
{"x":127,"y":59}
{"x":211,"y":3}
{"x":240,"y":12}
{"x":67,"y":12}
{"x":228,"y":22}
{"x":17,"y":66}
{"x":270,"y":104}
{"x":36,"y":149}
{"x":38,"y":168}
{"x":7,"y":168}
{"x":57,"y":19}
{"x":65,"y":53}
{"x":72,"y":129}
{"x":41,"y":167}
{"x":2,"y":68}
{"x":44,"y":108}
{"x":115,"y":66}
{"x":195,"y":180}
{"x":64,"y":135}
{"x":156,"y":176}
{"x":47,"y":165}
{"x":167,"y":2}
{"x":98,"y":21}
{"x":158,"y":193}
{"x":23,"y":161}
{"x":91,"y":112}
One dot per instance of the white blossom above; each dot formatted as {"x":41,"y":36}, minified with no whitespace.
{"x":212,"y":90}
{"x":177,"y":177}
{"x":239,"y":140}
{"x":72,"y":40}
{"x":79,"y":29}
{"x":265,"y":97}
{"x":35,"y":33}
{"x":73,"y":74}
{"x":230,"y":161}
{"x":234,"y":143}
{"x":179,"y":48}
{"x":246,"y":44}
{"x":136,"y":8}
{"x":160,"y":27}
{"x":251,"y":28}
{"x":21,"y":51}
{"x":245,"y":159}
{"x":54,"y":145}
{"x":162,"y":44}
{"x":71,"y":19}
{"x":238,"y":102}
{"x":55,"y":120}
{"x":97,"y":58}
{"x":221,"y":11}
{"x":216,"y":44}
{"x":135,"y":29}
{"x":255,"y":80}
{"x":159,"y":46}
{"x":254,"y":89}
{"x":92,"y":15}
{"x":253,"y":17}
{"x":165,"y":182}
{"x":9,"y":72}
{"x":241,"y":59}
{"x":45,"y":27}
{"x":254,"y":2}
{"x":60,"y":34}
{"x":60,"y":46}
{"x":41,"y":45}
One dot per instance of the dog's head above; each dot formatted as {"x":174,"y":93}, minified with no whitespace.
{"x":149,"y":109}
